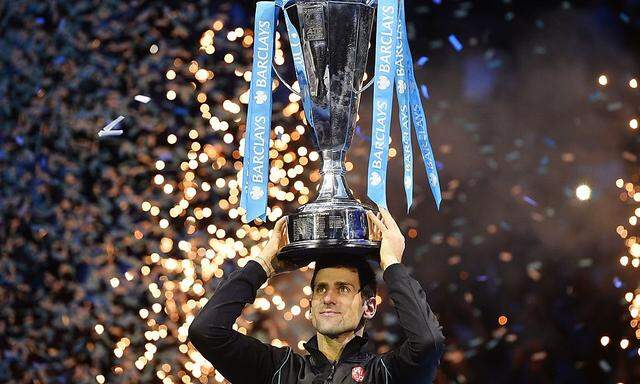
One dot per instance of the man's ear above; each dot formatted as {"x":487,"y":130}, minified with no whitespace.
{"x":370,"y":307}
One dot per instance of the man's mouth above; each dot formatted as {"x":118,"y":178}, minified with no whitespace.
{"x":329,"y":313}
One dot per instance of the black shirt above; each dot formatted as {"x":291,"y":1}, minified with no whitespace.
{"x":243,"y":359}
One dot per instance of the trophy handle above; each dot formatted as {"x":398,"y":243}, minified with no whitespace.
{"x":365,"y":87}
{"x":289,"y":4}
{"x":283,"y":81}
{"x":370,"y":3}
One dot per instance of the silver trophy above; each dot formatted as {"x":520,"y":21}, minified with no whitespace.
{"x":335,"y":43}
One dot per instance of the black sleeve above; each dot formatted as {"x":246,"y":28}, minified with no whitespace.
{"x":239,"y":358}
{"x":418,"y":357}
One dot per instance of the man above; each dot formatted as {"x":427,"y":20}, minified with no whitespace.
{"x":343,"y":298}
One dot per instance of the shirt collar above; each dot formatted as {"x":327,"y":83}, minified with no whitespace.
{"x":355,"y":346}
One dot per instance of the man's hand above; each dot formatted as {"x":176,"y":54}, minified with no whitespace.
{"x":392,"y":246}
{"x":277,"y":240}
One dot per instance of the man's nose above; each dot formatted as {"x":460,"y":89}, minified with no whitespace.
{"x":329,"y":297}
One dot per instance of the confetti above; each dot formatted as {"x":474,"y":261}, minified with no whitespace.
{"x":530,"y":201}
{"x":455,"y":43}
{"x":617,"y":282}
{"x":142,"y":99}
{"x":108,"y":129}
{"x":625,"y":18}
{"x":425,"y":91}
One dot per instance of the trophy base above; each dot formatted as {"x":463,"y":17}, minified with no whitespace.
{"x":304,"y":252}
{"x":329,"y":229}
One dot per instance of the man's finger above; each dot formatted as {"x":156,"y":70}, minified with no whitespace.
{"x":277,"y":231}
{"x":388,"y":219}
{"x":378,"y":223}
{"x":373,"y":227}
{"x":279,"y":224}
{"x":283,"y":229}
{"x":278,"y":228}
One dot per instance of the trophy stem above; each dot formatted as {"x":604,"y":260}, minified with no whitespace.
{"x":334,"y":185}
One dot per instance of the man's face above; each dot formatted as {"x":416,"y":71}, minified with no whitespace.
{"x":336,"y":304}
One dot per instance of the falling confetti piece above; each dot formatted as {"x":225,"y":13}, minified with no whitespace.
{"x":625,"y":18}
{"x":596,"y":96}
{"x":142,"y":99}
{"x":605,"y":366}
{"x":544,"y":160}
{"x":108,"y":129}
{"x":611,"y":107}
{"x":110,"y":133}
{"x":455,"y":42}
{"x":425,"y":91}
{"x":617,"y":282}
{"x":495,"y":63}
{"x":512,"y":156}
{"x":549,"y":142}
{"x":585,"y":263}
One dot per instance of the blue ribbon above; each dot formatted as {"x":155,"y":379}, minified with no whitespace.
{"x":393,"y":64}
{"x":385,"y":71}
{"x":298,"y":61}
{"x":255,"y":174}
{"x":419,"y":118}
{"x":404,"y":112}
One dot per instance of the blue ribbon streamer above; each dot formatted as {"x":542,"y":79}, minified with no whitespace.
{"x":404,"y":112}
{"x":298,"y":61}
{"x":385,"y":72}
{"x":255,"y":174}
{"x":419,"y":119}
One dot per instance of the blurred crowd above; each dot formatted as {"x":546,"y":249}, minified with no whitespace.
{"x":68,"y":202}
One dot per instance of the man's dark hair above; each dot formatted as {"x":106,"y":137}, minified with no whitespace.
{"x":366,"y":274}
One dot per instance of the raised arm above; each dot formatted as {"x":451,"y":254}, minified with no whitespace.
{"x":240,"y":358}
{"x":417,"y":358}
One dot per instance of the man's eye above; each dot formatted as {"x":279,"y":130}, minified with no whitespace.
{"x":342,"y":289}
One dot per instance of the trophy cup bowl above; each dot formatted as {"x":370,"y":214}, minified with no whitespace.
{"x":335,"y":43}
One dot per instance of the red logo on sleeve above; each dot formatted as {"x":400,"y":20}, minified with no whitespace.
{"x":357,"y":373}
